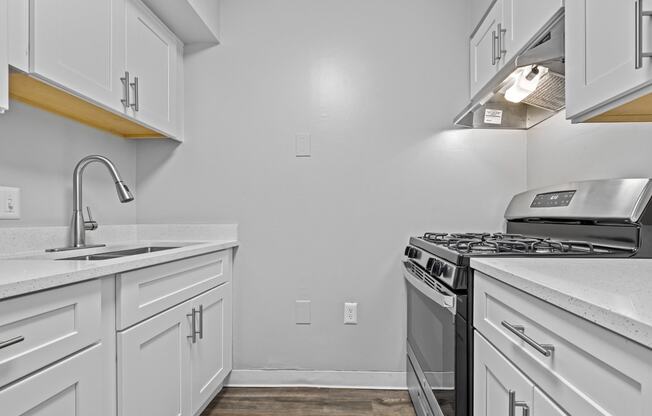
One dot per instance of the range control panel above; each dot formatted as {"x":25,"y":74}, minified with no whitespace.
{"x":552,"y":199}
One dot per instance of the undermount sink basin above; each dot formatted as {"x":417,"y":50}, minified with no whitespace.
{"x":119,"y":253}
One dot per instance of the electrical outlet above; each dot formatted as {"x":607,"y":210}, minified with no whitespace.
{"x":9,"y":203}
{"x":351,"y":313}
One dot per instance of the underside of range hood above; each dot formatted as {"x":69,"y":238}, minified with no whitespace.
{"x":490,"y":109}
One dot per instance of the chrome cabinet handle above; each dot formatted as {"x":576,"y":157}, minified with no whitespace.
{"x":201,"y":321}
{"x":513,"y":404}
{"x":10,"y":342}
{"x":125,"y":83}
{"x":494,"y":38}
{"x":638,"y":36}
{"x":518,"y":330}
{"x":135,"y":105}
{"x":501,"y":34}
{"x":193,"y":320}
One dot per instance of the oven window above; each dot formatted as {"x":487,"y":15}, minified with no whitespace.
{"x":431,"y":335}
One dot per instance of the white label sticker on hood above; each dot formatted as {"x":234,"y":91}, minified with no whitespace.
{"x":493,"y":116}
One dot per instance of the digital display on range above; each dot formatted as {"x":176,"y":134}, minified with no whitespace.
{"x":552,"y":199}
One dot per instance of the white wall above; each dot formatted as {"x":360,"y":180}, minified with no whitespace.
{"x":559,"y":151}
{"x":376,"y":84}
{"x":38,"y":152}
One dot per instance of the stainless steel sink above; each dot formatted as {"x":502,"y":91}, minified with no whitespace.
{"x":119,"y":253}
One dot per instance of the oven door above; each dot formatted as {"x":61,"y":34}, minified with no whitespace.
{"x":431,"y":337}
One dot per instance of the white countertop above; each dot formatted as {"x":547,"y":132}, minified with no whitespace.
{"x":23,"y":275}
{"x":613,"y":293}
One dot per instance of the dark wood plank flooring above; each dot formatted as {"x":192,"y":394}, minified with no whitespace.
{"x":234,"y":401}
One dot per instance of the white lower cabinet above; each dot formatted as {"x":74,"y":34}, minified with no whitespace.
{"x":211,"y":354}
{"x":576,"y":367}
{"x":71,"y":387}
{"x":153,"y":360}
{"x":172,"y":363}
{"x":502,"y":389}
{"x":498,"y":385}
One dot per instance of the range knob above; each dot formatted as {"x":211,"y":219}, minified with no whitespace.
{"x":412,"y":253}
{"x":437,"y":268}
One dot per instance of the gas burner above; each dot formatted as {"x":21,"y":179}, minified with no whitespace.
{"x":453,"y":239}
{"x":507,"y":243}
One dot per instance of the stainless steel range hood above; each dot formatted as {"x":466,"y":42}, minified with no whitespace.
{"x":489,"y":109}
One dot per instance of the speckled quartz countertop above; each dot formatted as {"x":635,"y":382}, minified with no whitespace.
{"x":36,"y":270}
{"x":613,"y":293}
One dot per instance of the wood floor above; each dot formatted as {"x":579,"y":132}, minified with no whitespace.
{"x":309,"y":402}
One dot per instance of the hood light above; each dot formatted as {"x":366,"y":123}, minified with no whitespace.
{"x":525,"y":82}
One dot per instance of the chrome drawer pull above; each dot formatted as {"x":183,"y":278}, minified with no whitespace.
{"x":201,"y":321}
{"x":125,"y":83}
{"x":513,"y":404}
{"x":193,"y":330}
{"x":519,"y":331}
{"x":639,"y":13}
{"x":10,"y":342}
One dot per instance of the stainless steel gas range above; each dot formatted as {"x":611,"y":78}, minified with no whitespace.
{"x":603,"y":218}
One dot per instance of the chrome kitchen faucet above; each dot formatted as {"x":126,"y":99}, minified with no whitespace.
{"x":79,"y":225}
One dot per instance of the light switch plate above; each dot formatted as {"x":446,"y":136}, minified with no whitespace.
{"x":9,"y":203}
{"x":302,"y":312}
{"x":303,"y":145}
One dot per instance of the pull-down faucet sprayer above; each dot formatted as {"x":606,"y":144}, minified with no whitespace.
{"x":79,"y":225}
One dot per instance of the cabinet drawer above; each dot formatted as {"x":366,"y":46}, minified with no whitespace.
{"x":71,"y":387}
{"x":146,"y":292}
{"x":591,"y":371}
{"x":46,"y":327}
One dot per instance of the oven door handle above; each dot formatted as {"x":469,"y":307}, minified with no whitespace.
{"x":439,"y":295}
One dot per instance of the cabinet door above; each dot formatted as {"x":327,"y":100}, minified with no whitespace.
{"x":494,"y":377}
{"x":543,"y":406}
{"x":79,"y":45}
{"x":523,"y":18}
{"x":18,"y":27}
{"x":211,"y":355}
{"x":71,"y":387}
{"x":484,"y":57}
{"x":600,"y":52}
{"x":4,"y":58}
{"x":151,"y":61}
{"x":153,"y":358}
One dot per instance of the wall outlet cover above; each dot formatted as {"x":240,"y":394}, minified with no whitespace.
{"x":302,"y":144}
{"x":350,"y":313}
{"x":302,"y":312}
{"x":9,"y":203}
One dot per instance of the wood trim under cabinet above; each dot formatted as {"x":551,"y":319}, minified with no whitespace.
{"x":638,"y":110}
{"x":37,"y":93}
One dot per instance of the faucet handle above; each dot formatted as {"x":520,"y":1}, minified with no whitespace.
{"x":91,"y":224}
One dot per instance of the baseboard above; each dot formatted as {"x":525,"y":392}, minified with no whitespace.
{"x":389,"y":380}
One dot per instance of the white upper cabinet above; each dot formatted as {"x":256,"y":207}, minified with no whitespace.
{"x":18,"y":27}
{"x":4,"y":56}
{"x":485,"y":56}
{"x":151,"y":61}
{"x":506,"y":30}
{"x":79,"y":45}
{"x":523,"y":18}
{"x":603,"y":61}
